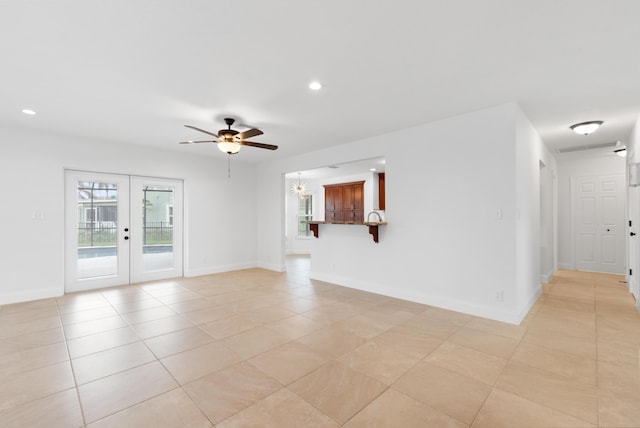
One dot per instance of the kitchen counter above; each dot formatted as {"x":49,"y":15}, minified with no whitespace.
{"x":373,"y":226}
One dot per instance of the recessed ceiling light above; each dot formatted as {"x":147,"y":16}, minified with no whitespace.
{"x":315,"y":85}
{"x":28,"y":111}
{"x":373,"y":169}
{"x":586,"y":128}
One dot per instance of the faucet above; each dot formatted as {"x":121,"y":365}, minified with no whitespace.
{"x":376,"y":213}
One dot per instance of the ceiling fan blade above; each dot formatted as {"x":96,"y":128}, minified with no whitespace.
{"x":253,"y":132}
{"x":202,"y":130}
{"x":196,"y":142}
{"x":259,"y":145}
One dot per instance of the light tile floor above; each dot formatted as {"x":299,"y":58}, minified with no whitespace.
{"x":265,"y":349}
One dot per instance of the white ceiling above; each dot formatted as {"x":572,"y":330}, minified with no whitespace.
{"x":346,"y":169}
{"x":136,"y":71}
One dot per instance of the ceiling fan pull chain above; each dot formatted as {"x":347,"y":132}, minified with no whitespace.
{"x":228,"y":165}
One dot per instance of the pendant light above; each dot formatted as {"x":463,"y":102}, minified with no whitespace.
{"x":299,"y":187}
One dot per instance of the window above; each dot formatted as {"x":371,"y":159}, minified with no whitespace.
{"x":90,"y":215}
{"x":108,"y":213}
{"x":305,"y":213}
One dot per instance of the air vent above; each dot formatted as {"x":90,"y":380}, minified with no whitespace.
{"x":588,"y":147}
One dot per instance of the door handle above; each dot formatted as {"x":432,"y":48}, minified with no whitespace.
{"x":632,"y":234}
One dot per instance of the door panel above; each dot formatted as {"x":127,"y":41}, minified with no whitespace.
{"x":634,"y":244}
{"x":97,"y":214}
{"x":587,"y":247}
{"x":599,"y":221}
{"x":588,"y":211}
{"x":156,"y":224}
{"x":609,"y":255}
{"x":610,"y":210}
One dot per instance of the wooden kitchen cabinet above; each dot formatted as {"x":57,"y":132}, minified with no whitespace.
{"x":344,"y":202}
{"x":381,"y":192}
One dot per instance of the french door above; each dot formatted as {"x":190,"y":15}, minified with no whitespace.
{"x":121,"y":229}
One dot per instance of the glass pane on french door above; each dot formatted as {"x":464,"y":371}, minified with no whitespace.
{"x":157,"y":227}
{"x":97,"y":229}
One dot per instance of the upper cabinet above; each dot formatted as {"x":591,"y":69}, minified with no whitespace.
{"x":381,"y":192}
{"x":344,"y":202}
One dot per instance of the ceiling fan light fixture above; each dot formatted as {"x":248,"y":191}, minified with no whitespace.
{"x":229,"y":140}
{"x":229,"y":147}
{"x":586,"y":128}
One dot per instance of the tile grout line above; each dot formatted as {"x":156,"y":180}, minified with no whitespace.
{"x":73,"y":372}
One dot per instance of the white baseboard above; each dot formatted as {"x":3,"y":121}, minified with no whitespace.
{"x":272,"y":266}
{"x":470,"y":308}
{"x":218,"y":269}
{"x":566,"y":266}
{"x":28,"y":296}
{"x":546,"y":277}
{"x":531,"y":301}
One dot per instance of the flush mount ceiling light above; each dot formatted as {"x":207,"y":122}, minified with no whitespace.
{"x":299,"y":187}
{"x":315,"y":85}
{"x":28,"y":111}
{"x":586,"y":128}
{"x":621,"y":152}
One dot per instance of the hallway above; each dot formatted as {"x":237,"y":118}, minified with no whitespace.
{"x":260,"y":348}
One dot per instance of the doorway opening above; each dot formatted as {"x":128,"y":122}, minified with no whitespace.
{"x":305,"y":199}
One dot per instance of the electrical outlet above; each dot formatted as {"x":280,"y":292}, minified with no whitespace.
{"x":499,"y":296}
{"x":37,"y":215}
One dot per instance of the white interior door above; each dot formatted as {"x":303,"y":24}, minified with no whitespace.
{"x":633,"y":276}
{"x":599,"y":223}
{"x":121,"y":229}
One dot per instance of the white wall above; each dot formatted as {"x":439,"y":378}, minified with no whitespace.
{"x":568,"y":168}
{"x":530,"y":151}
{"x":32,"y":170}
{"x":445,"y":244}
